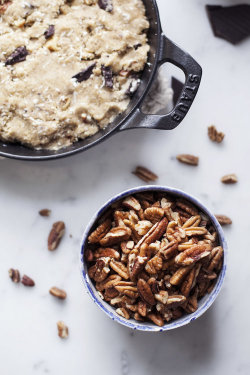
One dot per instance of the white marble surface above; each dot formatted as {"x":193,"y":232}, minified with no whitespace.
{"x":73,"y":188}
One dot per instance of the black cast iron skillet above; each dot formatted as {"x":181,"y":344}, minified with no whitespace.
{"x":162,"y":50}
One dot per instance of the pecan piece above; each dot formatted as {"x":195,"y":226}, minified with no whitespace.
{"x":170,"y":250}
{"x":106,"y":252}
{"x":116,"y":235}
{"x":188,"y":159}
{"x":154,"y":214}
{"x":145,"y":174}
{"x":145,"y":292}
{"x":58,"y":293}
{"x":49,"y":32}
{"x":108,"y":76}
{"x":193,"y":255}
{"x":175,"y":300}
{"x":127,"y":288}
{"x":55,"y":235}
{"x":137,"y":267}
{"x":190,"y":280}
{"x":27,"y":281}
{"x":14,"y":275}
{"x":106,"y":5}
{"x":154,"y":265}
{"x":156,"y":319}
{"x":131,"y":203}
{"x":217,"y":254}
{"x":192,"y":303}
{"x":142,"y":227}
{"x":45,"y":212}
{"x":99,"y":271}
{"x":179,"y":275}
{"x":215,"y":135}
{"x":119,"y":268}
{"x":142,"y":308}
{"x":229,"y":179}
{"x":100,"y":231}
{"x":158,"y":231}
{"x":193,"y":221}
{"x":63,"y":330}
{"x":162,"y":297}
{"x":223,"y":219}
{"x":123,"y":312}
{"x":110,"y":282}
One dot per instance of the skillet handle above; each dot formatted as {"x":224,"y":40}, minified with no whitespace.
{"x":170,"y":52}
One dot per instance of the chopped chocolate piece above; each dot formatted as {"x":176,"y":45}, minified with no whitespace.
{"x":84,"y":74}
{"x":231,"y":23}
{"x":134,"y":84}
{"x":136,"y":46}
{"x":177,"y":87}
{"x":17,"y":56}
{"x":108,"y":76}
{"x":49,"y":32}
{"x":106,"y":5}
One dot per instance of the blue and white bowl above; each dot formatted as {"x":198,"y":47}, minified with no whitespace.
{"x":204,"y":303}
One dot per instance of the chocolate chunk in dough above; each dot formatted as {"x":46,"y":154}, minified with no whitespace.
{"x":84,"y":74}
{"x":106,"y":5}
{"x":49,"y":32}
{"x":231,"y":23}
{"x":108,"y":76}
{"x":17,"y":56}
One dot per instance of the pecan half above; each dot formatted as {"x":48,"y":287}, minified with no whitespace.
{"x":215,"y":135}
{"x":106,"y":252}
{"x":223,"y":219}
{"x":45,"y":212}
{"x":154,"y":265}
{"x":100,"y":231}
{"x":14,"y":275}
{"x":169,"y":250}
{"x":99,"y":271}
{"x":131,"y":203}
{"x":27,"y":281}
{"x":188,"y":159}
{"x":55,"y":235}
{"x":109,"y":282}
{"x":145,"y":292}
{"x":158,"y":231}
{"x":193,"y":255}
{"x":142,"y":308}
{"x":145,"y":174}
{"x":154,"y":214}
{"x":217,"y":254}
{"x":156,"y":319}
{"x":138,"y":267}
{"x":119,"y":268}
{"x":58,"y":293}
{"x":175,"y":301}
{"x":63,"y":330}
{"x":179,"y":275}
{"x":229,"y":179}
{"x":116,"y":235}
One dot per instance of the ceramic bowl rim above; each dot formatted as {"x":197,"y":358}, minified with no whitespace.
{"x":207,"y":301}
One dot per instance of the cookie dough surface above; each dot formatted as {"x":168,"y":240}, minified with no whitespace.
{"x":41,"y":105}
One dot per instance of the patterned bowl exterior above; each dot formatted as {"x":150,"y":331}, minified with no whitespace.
{"x":204,"y":303}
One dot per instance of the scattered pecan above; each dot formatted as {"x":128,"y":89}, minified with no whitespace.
{"x":223,"y":219}
{"x":145,"y":174}
{"x":215,"y":135}
{"x":55,"y":235}
{"x":45,"y":212}
{"x":14,"y":275}
{"x":188,"y":159}
{"x":229,"y":179}
{"x":100,"y":231}
{"x":27,"y":281}
{"x":58,"y":293}
{"x":153,"y":257}
{"x":63,"y":330}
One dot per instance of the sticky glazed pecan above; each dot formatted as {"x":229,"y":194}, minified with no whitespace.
{"x":152,"y":257}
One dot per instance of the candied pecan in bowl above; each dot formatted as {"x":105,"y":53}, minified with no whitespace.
{"x":153,"y":257}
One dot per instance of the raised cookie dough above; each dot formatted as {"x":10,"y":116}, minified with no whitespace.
{"x":44,"y":43}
